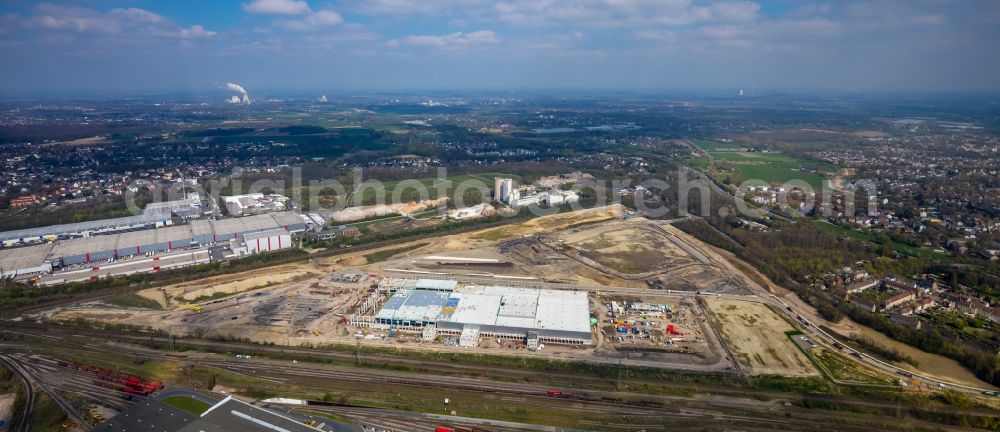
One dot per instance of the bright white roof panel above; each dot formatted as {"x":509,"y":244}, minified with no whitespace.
{"x":436,"y":284}
{"x":475,"y":309}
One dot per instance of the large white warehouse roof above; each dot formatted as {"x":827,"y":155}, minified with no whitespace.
{"x":557,"y":313}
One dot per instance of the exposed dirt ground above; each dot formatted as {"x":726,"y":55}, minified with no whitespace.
{"x":930,"y":364}
{"x":692,"y":336}
{"x":7,"y":408}
{"x":630,"y":249}
{"x":304,"y":304}
{"x":621,"y":253}
{"x":756,"y":336}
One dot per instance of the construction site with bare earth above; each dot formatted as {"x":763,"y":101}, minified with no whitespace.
{"x":594,"y":285}
{"x":591,"y":294}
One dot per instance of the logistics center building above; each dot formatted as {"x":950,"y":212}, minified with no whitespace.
{"x":201,"y":232}
{"x":557,"y":316}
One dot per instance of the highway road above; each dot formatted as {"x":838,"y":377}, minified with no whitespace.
{"x":704,"y":177}
{"x":789,"y":310}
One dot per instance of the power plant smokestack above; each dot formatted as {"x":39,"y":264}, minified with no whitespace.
{"x":239,"y":89}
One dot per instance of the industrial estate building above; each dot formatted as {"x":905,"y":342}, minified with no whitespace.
{"x":247,"y":232}
{"x":471,"y":312}
{"x":155,"y":215}
{"x":188,"y":208}
{"x":255,"y":203}
{"x":145,"y":220}
{"x":266,"y":241}
{"x":505,"y":192}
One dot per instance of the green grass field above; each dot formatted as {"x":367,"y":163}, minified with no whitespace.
{"x":709,"y":145}
{"x":774,"y":168}
{"x":699,"y":163}
{"x":775,"y":175}
{"x":189,"y":404}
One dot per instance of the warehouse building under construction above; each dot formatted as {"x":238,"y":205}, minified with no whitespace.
{"x":471,"y":312}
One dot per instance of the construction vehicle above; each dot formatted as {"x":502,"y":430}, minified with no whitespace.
{"x":316,"y":332}
{"x":673,"y":330}
{"x":195,"y":308}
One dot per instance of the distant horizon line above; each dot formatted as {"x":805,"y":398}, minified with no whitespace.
{"x":210,"y":94}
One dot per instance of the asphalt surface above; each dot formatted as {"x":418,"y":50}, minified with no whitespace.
{"x":125,"y":267}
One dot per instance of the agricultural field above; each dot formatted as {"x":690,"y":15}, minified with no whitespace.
{"x":699,"y":163}
{"x":772,"y":168}
{"x":709,"y":145}
{"x":757,"y":338}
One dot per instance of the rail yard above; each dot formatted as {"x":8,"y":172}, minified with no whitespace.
{"x":630,"y":334}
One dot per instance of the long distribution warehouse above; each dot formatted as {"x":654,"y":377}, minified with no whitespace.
{"x":150,"y":219}
{"x":38,"y":258}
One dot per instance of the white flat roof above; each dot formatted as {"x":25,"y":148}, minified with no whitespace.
{"x":20,"y":258}
{"x":523,"y":308}
{"x":265,"y":234}
{"x":436,"y":284}
{"x":526,"y":307}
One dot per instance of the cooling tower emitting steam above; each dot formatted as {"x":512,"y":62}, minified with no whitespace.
{"x":239,"y":89}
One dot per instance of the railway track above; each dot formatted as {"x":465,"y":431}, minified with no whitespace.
{"x":24,"y":418}
{"x":37,"y":379}
{"x":52,"y":331}
{"x":736,"y":409}
{"x":601,"y":402}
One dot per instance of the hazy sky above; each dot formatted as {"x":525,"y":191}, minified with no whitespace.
{"x":140,"y":46}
